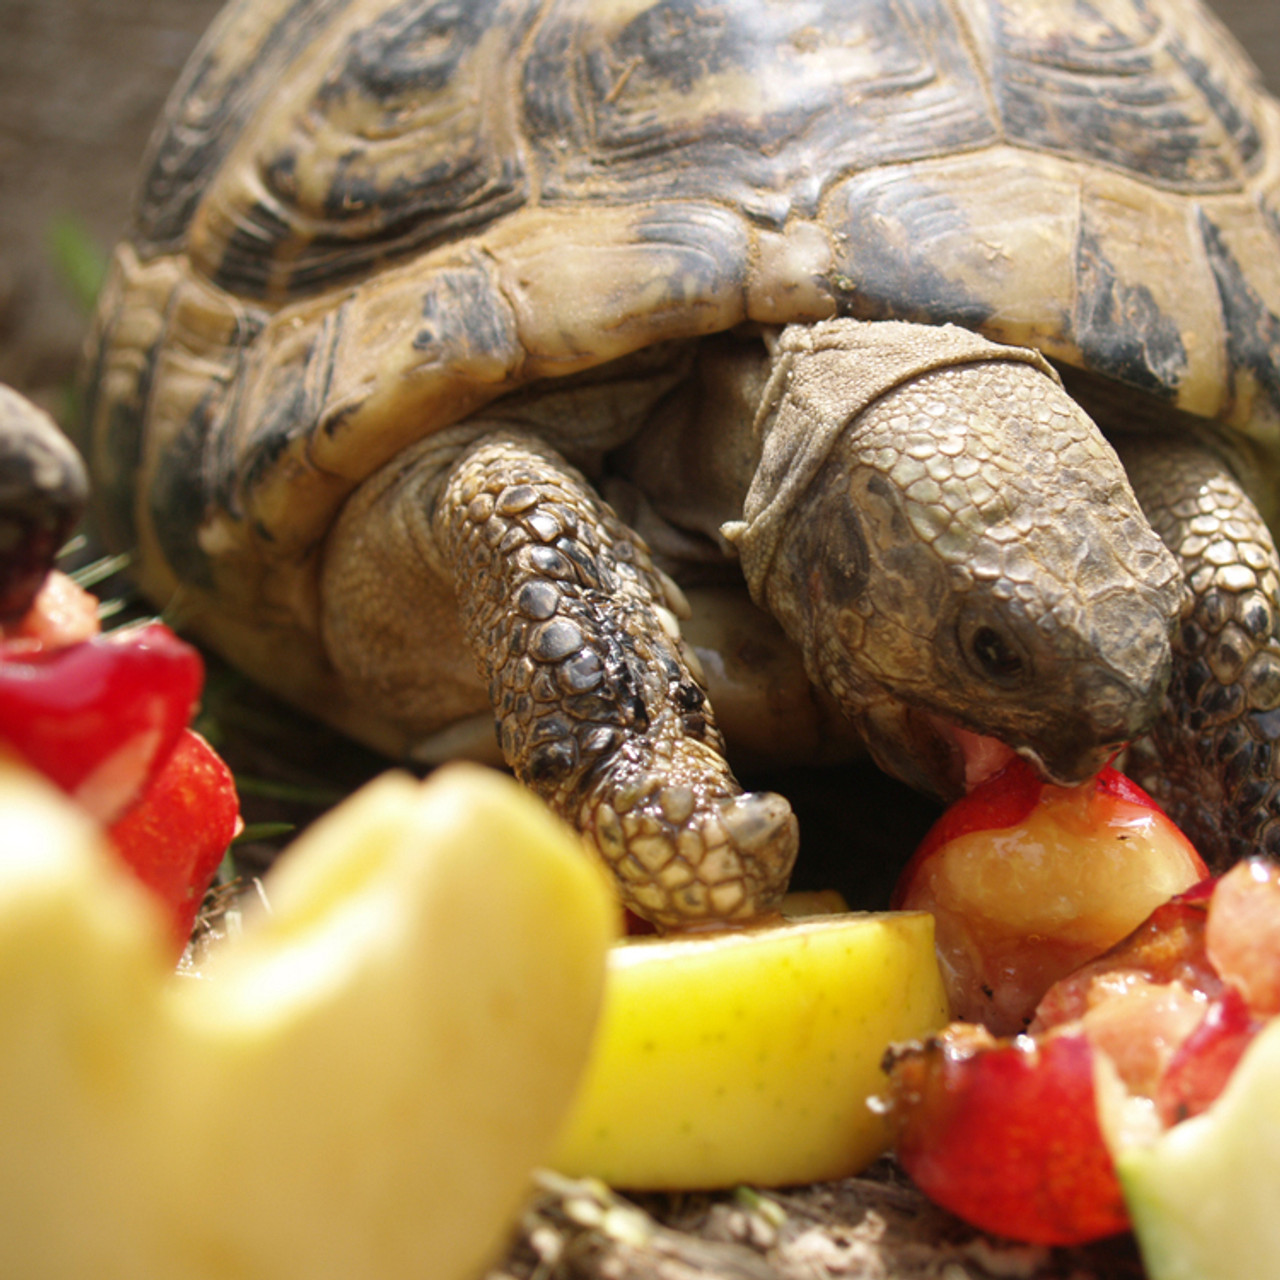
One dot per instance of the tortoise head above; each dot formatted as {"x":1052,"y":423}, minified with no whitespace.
{"x":957,"y":551}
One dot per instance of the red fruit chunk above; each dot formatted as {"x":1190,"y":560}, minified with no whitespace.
{"x":1243,"y":933}
{"x":1027,"y":881}
{"x":99,"y":718}
{"x":1166,"y":949}
{"x":175,"y":837}
{"x":1005,"y":1134}
{"x":1200,"y":1068}
{"x":1003,"y":800}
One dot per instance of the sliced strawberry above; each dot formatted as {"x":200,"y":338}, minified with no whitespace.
{"x":99,"y":718}
{"x":176,"y":835}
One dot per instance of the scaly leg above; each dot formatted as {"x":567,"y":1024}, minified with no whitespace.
{"x":1217,"y":765}
{"x":598,"y":711}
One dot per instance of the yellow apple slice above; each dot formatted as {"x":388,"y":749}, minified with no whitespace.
{"x":750,"y":1057}
{"x":356,"y":1088}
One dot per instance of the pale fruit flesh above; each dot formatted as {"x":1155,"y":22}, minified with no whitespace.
{"x":1205,"y":1195}
{"x":357,"y":1087}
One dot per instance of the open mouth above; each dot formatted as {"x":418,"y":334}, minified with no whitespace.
{"x":974,"y":757}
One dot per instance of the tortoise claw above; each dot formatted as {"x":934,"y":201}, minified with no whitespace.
{"x":683,"y":862}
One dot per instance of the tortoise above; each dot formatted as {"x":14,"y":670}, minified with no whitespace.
{"x":899,"y":370}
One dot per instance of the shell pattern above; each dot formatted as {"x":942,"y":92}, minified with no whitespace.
{"x":361,"y":220}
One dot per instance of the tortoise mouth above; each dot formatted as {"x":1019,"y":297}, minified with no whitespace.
{"x":930,"y":751}
{"x":980,"y":756}
{"x":937,"y":754}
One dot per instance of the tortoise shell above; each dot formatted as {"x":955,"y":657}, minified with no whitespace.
{"x":362,"y":220}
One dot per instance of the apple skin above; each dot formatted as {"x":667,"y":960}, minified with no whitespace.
{"x":750,"y":1056}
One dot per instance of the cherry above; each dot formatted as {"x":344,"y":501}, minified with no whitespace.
{"x":99,"y":718}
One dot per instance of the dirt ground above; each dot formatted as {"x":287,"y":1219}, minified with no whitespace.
{"x":81,"y":82}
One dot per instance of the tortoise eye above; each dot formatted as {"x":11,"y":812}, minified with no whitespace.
{"x":995,"y":656}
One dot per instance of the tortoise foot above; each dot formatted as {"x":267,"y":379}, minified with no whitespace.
{"x":684,"y":856}
{"x":598,"y":708}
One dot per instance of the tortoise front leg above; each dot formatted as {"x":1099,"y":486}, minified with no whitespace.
{"x":598,"y":711}
{"x":1217,"y":763}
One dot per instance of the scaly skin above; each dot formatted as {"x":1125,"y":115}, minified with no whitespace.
{"x":598,"y":711}
{"x":1211,"y":759}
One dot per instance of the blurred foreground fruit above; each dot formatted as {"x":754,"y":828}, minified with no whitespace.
{"x":100,"y":717}
{"x":1027,"y":881}
{"x":105,"y":717}
{"x":355,"y":1089}
{"x":750,"y":1056}
{"x":1205,"y":1196}
{"x":174,"y":838}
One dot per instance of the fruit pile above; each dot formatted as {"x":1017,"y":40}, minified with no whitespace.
{"x":1112,"y":1021}
{"x":107,"y":719}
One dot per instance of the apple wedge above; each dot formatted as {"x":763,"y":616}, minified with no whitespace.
{"x":750,"y":1057}
{"x":1204,"y":1195}
{"x":356,"y":1088}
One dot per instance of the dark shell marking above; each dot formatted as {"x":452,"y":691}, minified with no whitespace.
{"x":385,"y":199}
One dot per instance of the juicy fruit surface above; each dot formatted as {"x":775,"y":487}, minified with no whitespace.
{"x":750,"y":1057}
{"x":1028,"y":881}
{"x":1159,"y":1029}
{"x":100,"y":717}
{"x":175,"y":836}
{"x":105,"y":717}
{"x":1005,"y":1134}
{"x":357,"y":1086}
